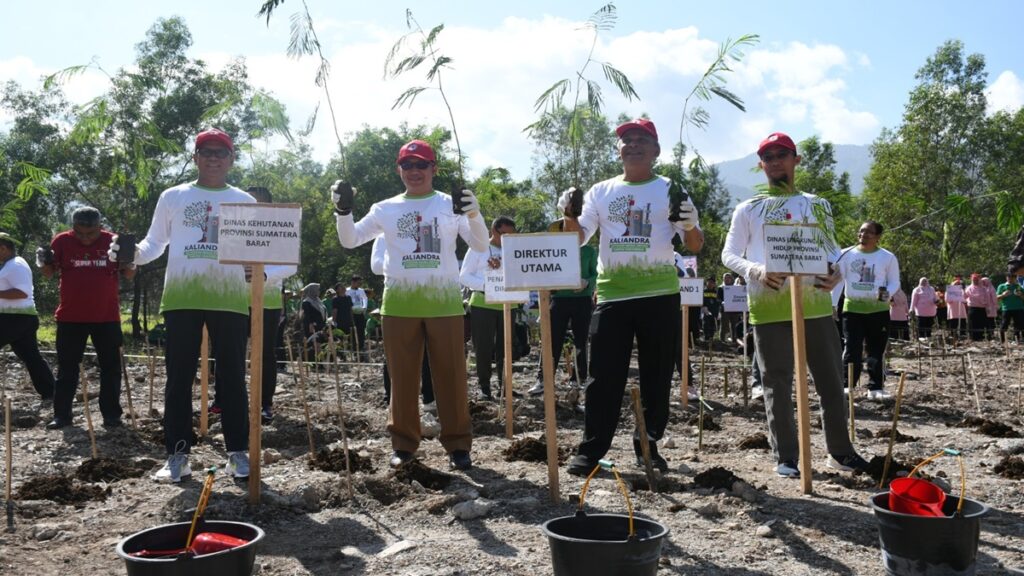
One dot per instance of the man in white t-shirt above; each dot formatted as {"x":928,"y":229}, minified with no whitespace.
{"x":19,"y":320}
{"x":422,"y":300}
{"x":638,"y":214}
{"x":771,"y":311}
{"x":198,"y":291}
{"x":358,"y":295}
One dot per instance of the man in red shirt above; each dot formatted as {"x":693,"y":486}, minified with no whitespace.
{"x":88,"y":308}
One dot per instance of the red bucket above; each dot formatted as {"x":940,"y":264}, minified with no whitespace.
{"x":916,"y":496}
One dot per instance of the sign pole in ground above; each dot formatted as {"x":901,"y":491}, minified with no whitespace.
{"x":128,"y":389}
{"x":691,"y":293}
{"x":88,"y":413}
{"x":800,"y":364}
{"x":507,"y":333}
{"x":544,"y":262}
{"x":849,"y":394}
{"x":258,"y":234}
{"x":9,"y":459}
{"x":204,"y":383}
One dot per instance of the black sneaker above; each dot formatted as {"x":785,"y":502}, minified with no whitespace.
{"x":581,"y":465}
{"x":112,"y":422}
{"x":657,"y":460}
{"x":58,"y":423}
{"x":400,"y":458}
{"x":459,"y":460}
{"x":848,"y":463}
{"x":266,"y":415}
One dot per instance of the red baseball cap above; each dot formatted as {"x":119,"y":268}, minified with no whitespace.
{"x":776,"y":139}
{"x":214,"y":135}
{"x":416,"y":149}
{"x":638,"y":124}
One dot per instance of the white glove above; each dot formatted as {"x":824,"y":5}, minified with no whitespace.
{"x":44,"y":256}
{"x":470,"y":205}
{"x":112,"y":252}
{"x":687,"y":215}
{"x":757,"y":273}
{"x":563,"y":200}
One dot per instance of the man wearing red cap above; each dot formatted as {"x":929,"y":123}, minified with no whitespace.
{"x":198,"y":291}
{"x":637,"y":290}
{"x":771,"y":314}
{"x":422,"y":300}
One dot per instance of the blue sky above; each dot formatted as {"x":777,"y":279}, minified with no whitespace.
{"x":838,"y":70}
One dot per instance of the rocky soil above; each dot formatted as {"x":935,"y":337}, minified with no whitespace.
{"x":727,"y":511}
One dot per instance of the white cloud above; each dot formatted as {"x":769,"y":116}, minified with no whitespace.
{"x":1006,"y":93}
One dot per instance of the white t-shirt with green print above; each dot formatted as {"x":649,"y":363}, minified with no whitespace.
{"x":863,"y":274}
{"x":421,"y":271}
{"x":276,"y":275}
{"x":15,"y":274}
{"x":635,"y":257}
{"x":744,"y":247}
{"x":186,"y":220}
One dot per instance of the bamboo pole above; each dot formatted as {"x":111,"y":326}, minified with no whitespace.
{"x":301,"y":380}
{"x":974,"y":385}
{"x":700,"y":409}
{"x":128,"y":389}
{"x":725,"y":382}
{"x":256,"y":383}
{"x":548,"y":367}
{"x":800,"y":364}
{"x":641,"y":430}
{"x":204,"y":383}
{"x":684,"y":398}
{"x":507,"y":367}
{"x":88,"y":413}
{"x":152,"y":372}
{"x":341,"y":413}
{"x":892,"y":433}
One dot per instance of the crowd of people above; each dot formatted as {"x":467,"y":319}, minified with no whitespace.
{"x":432,"y":304}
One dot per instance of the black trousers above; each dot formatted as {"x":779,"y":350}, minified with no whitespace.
{"x":613,"y":327}
{"x":872,"y":331}
{"x":106,"y":340}
{"x":1018,"y":321}
{"x":271,"y":317}
{"x":360,"y":322}
{"x":489,"y":344}
{"x":976,"y":321}
{"x":574,"y":312}
{"x":924,"y":326}
{"x":227,"y":340}
{"x":19,"y":330}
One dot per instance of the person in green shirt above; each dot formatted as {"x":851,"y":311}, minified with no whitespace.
{"x":1009,"y":295}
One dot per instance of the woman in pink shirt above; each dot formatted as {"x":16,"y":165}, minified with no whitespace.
{"x":992,"y":309}
{"x":957,"y":311}
{"x":922,"y":302}
{"x":899,"y":326}
{"x":977,"y":303}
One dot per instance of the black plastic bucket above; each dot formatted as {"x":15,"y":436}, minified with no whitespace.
{"x":235,"y":561}
{"x":914,"y":545}
{"x":583,"y":545}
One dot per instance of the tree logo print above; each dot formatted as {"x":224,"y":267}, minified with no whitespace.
{"x":408,"y":226}
{"x":197,"y":215}
{"x":618,"y":210}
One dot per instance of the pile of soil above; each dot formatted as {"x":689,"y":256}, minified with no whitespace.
{"x":710,"y":424}
{"x":530,"y":449}
{"x":757,"y":441}
{"x":111,"y":470}
{"x":989,"y":427}
{"x":715,"y":478}
{"x":60,"y":489}
{"x":1011,"y":467}
{"x":427,"y":477}
{"x":885,"y":433}
{"x":876,"y":467}
{"x":334,"y":461}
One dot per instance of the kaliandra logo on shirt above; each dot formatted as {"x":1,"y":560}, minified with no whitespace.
{"x":637,"y":222}
{"x":426,"y":234}
{"x":199,"y":215}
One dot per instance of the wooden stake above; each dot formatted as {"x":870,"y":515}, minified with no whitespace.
{"x":641,"y":430}
{"x":256,"y":383}
{"x":341,"y":412}
{"x":128,"y":389}
{"x":892,"y":433}
{"x":974,"y":385}
{"x":725,"y":381}
{"x":548,"y":366}
{"x":800,"y":364}
{"x":9,"y":459}
{"x":849,"y":394}
{"x":152,"y":372}
{"x":88,"y":413}
{"x":684,"y":398}
{"x":746,"y":388}
{"x":920,"y":365}
{"x":301,"y":380}
{"x":1020,"y":383}
{"x":700,"y":409}
{"x":507,"y":334}
{"x":963,"y":364}
{"x":204,"y":383}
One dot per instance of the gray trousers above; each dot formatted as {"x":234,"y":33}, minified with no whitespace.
{"x":774,"y":349}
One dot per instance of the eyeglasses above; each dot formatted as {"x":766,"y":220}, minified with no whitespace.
{"x":214,"y":152}
{"x":769,"y":158}
{"x":637,"y":140}
{"x":417,"y":164}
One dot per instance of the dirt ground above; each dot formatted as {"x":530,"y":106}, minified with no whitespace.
{"x":727,"y":511}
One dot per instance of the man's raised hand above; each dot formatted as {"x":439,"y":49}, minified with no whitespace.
{"x":343,"y":197}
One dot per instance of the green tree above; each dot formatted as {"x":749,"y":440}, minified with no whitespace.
{"x":500,"y":195}
{"x":816,"y":175}
{"x":554,"y":152}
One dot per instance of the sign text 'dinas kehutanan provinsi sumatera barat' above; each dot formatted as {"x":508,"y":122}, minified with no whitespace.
{"x":260,"y":233}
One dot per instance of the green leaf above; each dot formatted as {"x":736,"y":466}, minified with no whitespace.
{"x":729,"y":97}
{"x":594,"y":98}
{"x":271,"y":114}
{"x":267,"y":9}
{"x":61,"y":76}
{"x":441,"y":62}
{"x":1009,"y":216}
{"x":428,"y":43}
{"x":620,"y":81}
{"x":408,"y":97}
{"x":33,"y":182}
{"x":552,"y":98}
{"x":303,"y":40}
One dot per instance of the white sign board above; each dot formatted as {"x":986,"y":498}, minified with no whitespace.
{"x":259,"y":233}
{"x":691,"y":291}
{"x":544,"y":261}
{"x":795,"y":250}
{"x":495,"y":293}
{"x":955,"y":293}
{"x":734,"y":299}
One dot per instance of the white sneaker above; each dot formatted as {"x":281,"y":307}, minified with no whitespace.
{"x":691,"y":394}
{"x":238,"y":464}
{"x":756,"y":392}
{"x":431,"y":407}
{"x":174,"y":469}
{"x":882,"y":394}
{"x":537,"y":389}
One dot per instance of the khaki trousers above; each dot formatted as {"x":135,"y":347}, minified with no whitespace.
{"x":403,"y":345}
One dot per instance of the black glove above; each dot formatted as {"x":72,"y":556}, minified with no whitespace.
{"x":343,"y":197}
{"x":44,"y":256}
